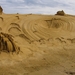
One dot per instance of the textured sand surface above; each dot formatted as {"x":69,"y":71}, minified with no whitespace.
{"x":47,"y":44}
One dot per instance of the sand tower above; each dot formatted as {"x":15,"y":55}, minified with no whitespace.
{"x":1,"y":10}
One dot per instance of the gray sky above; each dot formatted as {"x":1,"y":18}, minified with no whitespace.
{"x":38,"y":6}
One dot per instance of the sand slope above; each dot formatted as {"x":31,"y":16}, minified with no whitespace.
{"x":47,"y":44}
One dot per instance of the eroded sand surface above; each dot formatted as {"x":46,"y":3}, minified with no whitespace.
{"x":47,"y":45}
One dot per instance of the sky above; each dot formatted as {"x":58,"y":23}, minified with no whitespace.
{"x":38,"y":6}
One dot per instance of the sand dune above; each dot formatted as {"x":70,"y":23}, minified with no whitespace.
{"x":46,"y":42}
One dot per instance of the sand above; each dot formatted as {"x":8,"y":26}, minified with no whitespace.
{"x":47,"y":44}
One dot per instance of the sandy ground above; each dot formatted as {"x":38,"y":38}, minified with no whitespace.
{"x":47,"y":44}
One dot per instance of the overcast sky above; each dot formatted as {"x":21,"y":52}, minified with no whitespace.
{"x":38,"y":6}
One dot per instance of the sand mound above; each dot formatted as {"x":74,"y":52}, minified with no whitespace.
{"x":14,"y":29}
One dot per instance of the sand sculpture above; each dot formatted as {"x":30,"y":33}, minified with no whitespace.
{"x":45,"y":43}
{"x":1,"y":10}
{"x":7,"y":44}
{"x":62,"y":13}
